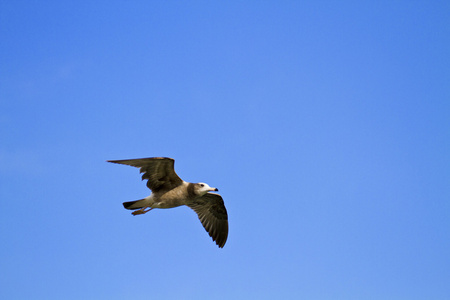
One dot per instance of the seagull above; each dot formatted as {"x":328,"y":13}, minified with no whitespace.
{"x":169,"y":190}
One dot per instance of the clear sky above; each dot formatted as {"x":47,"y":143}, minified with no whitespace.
{"x":324,"y":124}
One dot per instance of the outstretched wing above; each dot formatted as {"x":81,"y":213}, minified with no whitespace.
{"x":158,"y":170}
{"x":212,"y":213}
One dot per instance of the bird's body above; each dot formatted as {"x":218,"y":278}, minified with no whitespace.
{"x":169,"y":190}
{"x":173,"y":198}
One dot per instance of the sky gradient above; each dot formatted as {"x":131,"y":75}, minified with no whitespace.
{"x":325,"y":126}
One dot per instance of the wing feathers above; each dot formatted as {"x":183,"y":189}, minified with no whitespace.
{"x":159,"y":171}
{"x":213,"y":215}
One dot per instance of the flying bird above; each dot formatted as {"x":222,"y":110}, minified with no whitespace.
{"x":169,"y":190}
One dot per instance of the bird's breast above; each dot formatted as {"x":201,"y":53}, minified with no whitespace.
{"x":173,"y":198}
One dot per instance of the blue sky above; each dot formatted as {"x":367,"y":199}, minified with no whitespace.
{"x":325,"y":125}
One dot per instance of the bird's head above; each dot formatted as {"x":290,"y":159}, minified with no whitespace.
{"x":202,"y":188}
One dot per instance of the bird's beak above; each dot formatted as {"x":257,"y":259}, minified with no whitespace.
{"x":214,"y":189}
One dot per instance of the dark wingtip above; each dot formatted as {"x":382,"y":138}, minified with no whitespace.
{"x":221,"y":245}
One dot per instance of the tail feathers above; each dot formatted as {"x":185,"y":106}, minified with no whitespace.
{"x":135,"y":204}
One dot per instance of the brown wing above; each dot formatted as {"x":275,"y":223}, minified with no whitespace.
{"x":212,"y":213}
{"x":158,"y":170}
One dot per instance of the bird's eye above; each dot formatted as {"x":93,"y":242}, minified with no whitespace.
{"x":202,"y":185}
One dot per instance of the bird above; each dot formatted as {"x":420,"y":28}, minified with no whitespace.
{"x":169,"y":190}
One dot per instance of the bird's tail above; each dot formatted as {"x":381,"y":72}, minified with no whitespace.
{"x":135,"y":204}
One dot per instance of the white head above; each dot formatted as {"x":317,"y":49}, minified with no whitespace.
{"x":202,"y":188}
